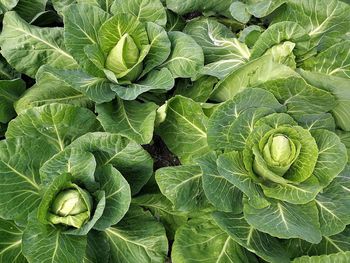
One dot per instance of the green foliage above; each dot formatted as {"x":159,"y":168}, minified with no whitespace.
{"x":62,"y":179}
{"x":157,"y":131}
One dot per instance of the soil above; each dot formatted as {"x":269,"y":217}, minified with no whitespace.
{"x":162,"y":156}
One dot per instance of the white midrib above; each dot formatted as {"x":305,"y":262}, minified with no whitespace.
{"x":299,"y":189}
{"x":249,"y":237}
{"x":61,"y":144}
{"x":125,"y":239}
{"x":17,"y":243}
{"x":334,"y":244}
{"x":21,"y":175}
{"x":223,"y":250}
{"x":187,"y":180}
{"x":114,"y":193}
{"x":56,"y":247}
{"x":61,"y":99}
{"x":8,"y":96}
{"x":43,"y":41}
{"x":316,"y":30}
{"x":128,"y":121}
{"x":328,"y":210}
{"x":110,"y":159}
{"x":187,"y":120}
{"x":280,"y":208}
{"x":87,"y":35}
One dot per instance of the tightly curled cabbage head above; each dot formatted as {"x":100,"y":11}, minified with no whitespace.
{"x":66,"y":186}
{"x":72,"y":206}
{"x":280,"y":164}
{"x":124,"y":52}
{"x":128,"y":48}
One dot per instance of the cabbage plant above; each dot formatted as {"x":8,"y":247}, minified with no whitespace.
{"x":67,"y":188}
{"x":277,"y":179}
{"x":287,"y":172}
{"x":106,"y":49}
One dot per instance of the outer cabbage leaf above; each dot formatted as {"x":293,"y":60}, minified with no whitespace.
{"x":202,"y":240}
{"x":28,"y":47}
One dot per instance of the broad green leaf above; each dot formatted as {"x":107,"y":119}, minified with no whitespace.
{"x":44,"y":243}
{"x":220,"y":69}
{"x":238,"y":11}
{"x":217,"y":41}
{"x":332,"y":156}
{"x":175,"y":22}
{"x":103,"y":4}
{"x":59,"y":5}
{"x":186,"y":57}
{"x":250,"y":34}
{"x":182,"y":185}
{"x":251,"y":74}
{"x":325,"y":63}
{"x":10,"y":91}
{"x":20,"y":160}
{"x":342,"y":257}
{"x":315,"y":121}
{"x":137,"y":238}
{"x":258,"y":8}
{"x":79,"y":163}
{"x":145,"y":11}
{"x":189,"y":6}
{"x":198,"y":90}
{"x":96,"y":89}
{"x":280,"y":32}
{"x":81,"y":24}
{"x":300,"y":193}
{"x":184,"y":129}
{"x":232,"y":122}
{"x":57,"y":124}
{"x":45,"y":91}
{"x":160,"y":47}
{"x":231,"y":167}
{"x":333,"y":204}
{"x":128,"y":157}
{"x":28,"y":47}
{"x":300,"y":97}
{"x":97,"y":249}
{"x":98,"y":58}
{"x":339,"y":88}
{"x":285,"y":220}
{"x":263,"y":245}
{"x":328,"y":245}
{"x":157,"y":81}
{"x":345,"y":139}
{"x":320,"y":18}
{"x":29,"y":9}
{"x":162,"y":209}
{"x":201,"y":240}
{"x":118,"y":196}
{"x":11,"y":242}
{"x":262,"y":8}
{"x":131,"y":119}
{"x":219,"y":191}
{"x":6,"y":5}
